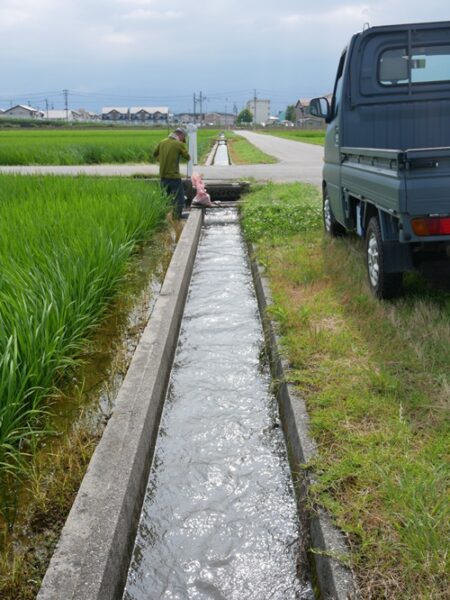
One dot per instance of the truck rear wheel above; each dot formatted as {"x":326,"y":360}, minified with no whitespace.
{"x":331,"y":226}
{"x":382,"y":284}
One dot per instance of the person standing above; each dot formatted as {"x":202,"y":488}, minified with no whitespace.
{"x":169,"y":152}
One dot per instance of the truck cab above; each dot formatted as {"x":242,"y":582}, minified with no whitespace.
{"x":386,"y":172}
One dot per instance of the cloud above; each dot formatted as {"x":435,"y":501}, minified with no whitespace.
{"x":10,"y":17}
{"x":141,"y":14}
{"x":118,"y":39}
{"x":136,"y":2}
{"x":288,"y":46}
{"x":343,"y":13}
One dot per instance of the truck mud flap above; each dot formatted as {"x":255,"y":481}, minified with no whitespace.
{"x":398,"y":257}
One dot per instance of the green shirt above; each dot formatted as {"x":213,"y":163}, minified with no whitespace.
{"x":169,"y":152}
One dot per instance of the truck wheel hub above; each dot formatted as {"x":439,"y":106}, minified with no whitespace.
{"x":373,"y":260}
{"x":327,"y":214}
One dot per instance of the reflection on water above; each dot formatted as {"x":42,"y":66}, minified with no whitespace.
{"x":219,"y":518}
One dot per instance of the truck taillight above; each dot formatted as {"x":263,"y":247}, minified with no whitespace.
{"x":431,"y":226}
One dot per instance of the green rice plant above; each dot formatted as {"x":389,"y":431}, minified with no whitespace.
{"x":64,"y":246}
{"x":89,"y":146}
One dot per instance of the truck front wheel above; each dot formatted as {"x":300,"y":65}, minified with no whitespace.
{"x":331,"y":226}
{"x":382,"y":284}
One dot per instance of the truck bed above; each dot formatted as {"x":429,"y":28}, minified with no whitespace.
{"x":414,"y":181}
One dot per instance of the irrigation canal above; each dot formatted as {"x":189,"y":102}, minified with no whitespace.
{"x":211,"y":479}
{"x":219,"y":518}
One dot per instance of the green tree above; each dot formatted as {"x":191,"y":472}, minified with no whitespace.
{"x":290,"y":113}
{"x":245,"y":116}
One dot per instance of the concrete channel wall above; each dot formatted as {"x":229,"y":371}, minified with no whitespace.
{"x":91,"y":559}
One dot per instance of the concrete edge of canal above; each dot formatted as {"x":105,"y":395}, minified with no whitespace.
{"x":92,"y":556}
{"x":334,"y":580}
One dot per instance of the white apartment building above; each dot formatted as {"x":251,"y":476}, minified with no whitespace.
{"x":260,"y":110}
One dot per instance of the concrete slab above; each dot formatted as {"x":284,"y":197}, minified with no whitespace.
{"x":92,"y":556}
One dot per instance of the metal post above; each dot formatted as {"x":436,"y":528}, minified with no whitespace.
{"x":192,"y":147}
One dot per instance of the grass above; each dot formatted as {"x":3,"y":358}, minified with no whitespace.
{"x":89,"y":146}
{"x":64,"y":247}
{"x":311,"y":136}
{"x":243,"y":153}
{"x":24,"y":557}
{"x":375,"y":379}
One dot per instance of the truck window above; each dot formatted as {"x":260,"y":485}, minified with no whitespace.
{"x":337,"y":92}
{"x":427,"y":64}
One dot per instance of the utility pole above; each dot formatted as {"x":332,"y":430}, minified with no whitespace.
{"x":46,"y":107}
{"x":66,"y":103}
{"x":195,"y":108}
{"x":254,"y":105}
{"x":201,"y":100}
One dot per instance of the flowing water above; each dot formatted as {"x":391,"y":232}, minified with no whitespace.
{"x":219,"y":519}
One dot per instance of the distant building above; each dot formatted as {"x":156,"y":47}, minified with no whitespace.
{"x":260,"y":110}
{"x":62,"y":115}
{"x":150,"y":114}
{"x":85,"y":115}
{"x":220,"y":119}
{"x":115,"y":113}
{"x":187,"y":117}
{"x":22,"y":111}
{"x":304,"y":119}
{"x":212,"y":119}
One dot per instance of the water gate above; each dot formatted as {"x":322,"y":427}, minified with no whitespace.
{"x":219,"y":519}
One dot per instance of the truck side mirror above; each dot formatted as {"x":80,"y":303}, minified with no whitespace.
{"x":320,"y":107}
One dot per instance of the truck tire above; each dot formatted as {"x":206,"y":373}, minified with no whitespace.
{"x":331,"y":226}
{"x":383,"y":285}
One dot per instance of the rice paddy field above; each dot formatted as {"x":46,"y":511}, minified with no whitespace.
{"x":87,"y":146}
{"x":65,"y":244}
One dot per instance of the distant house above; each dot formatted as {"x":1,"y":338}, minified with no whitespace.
{"x":62,"y":115}
{"x":189,"y":117}
{"x":115,"y":113}
{"x":304,"y":119}
{"x":150,"y":114}
{"x":217,"y":119}
{"x":85,"y":115}
{"x":22,"y":111}
{"x":220,"y":119}
{"x":301,"y":110}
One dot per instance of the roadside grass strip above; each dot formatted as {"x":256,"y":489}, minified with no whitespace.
{"x":242,"y":152}
{"x":311,"y":136}
{"x":88,"y":146}
{"x":64,"y":247}
{"x":375,"y":378}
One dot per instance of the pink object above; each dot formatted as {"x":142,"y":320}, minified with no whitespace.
{"x":202,"y":198}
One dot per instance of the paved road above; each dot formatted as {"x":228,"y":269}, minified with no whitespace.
{"x":297,"y":162}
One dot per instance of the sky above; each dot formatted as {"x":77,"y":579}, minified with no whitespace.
{"x":162,"y":52}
